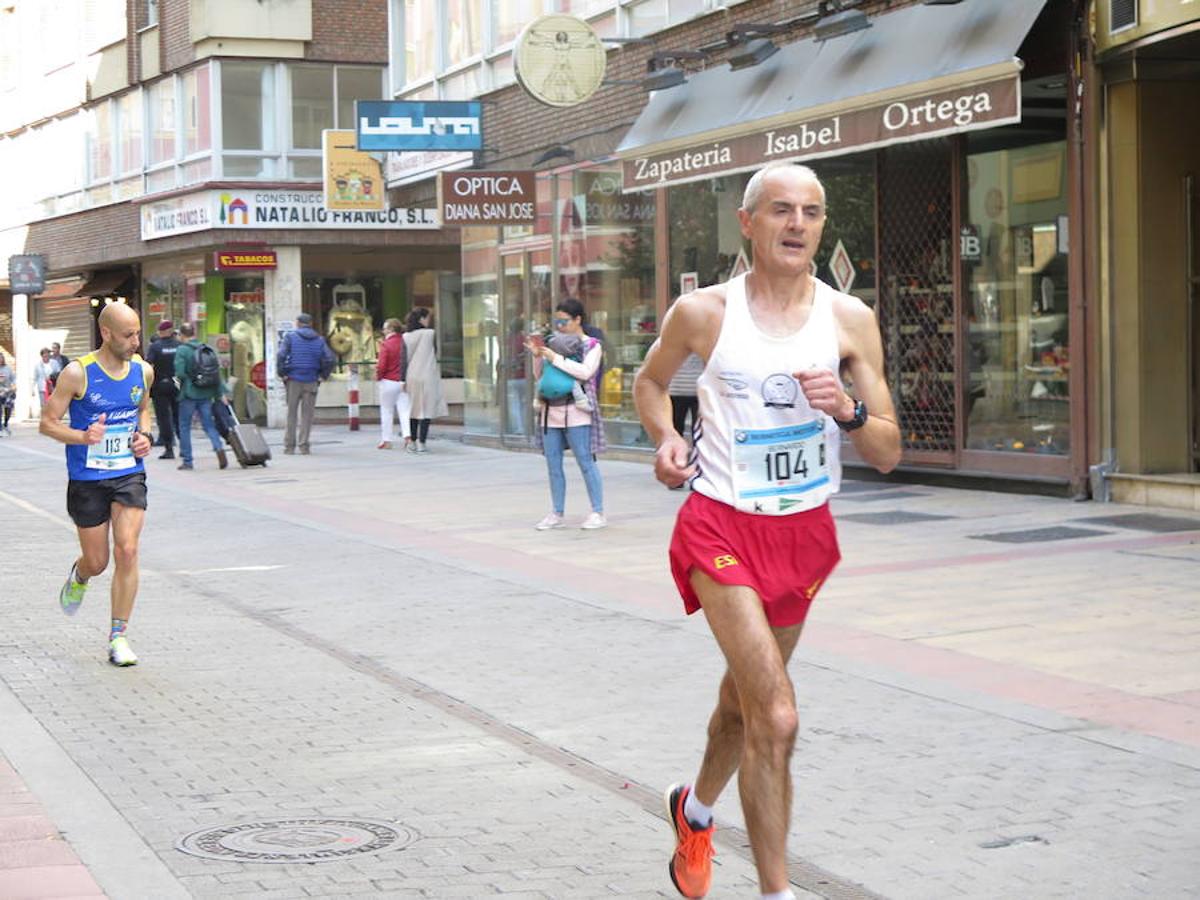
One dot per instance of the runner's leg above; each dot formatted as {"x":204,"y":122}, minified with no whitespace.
{"x":93,"y":545}
{"x":127,"y":529}
{"x":768,"y":721}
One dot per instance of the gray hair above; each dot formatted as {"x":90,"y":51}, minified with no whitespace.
{"x":754,"y":187}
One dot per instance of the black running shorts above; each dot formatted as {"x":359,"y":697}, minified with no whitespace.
{"x":89,"y":503}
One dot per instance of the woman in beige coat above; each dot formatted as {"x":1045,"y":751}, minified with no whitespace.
{"x":424,"y":383}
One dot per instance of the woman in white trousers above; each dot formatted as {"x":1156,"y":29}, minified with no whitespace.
{"x":390,"y":373}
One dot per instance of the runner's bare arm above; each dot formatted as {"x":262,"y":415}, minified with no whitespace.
{"x":687,"y":328}
{"x":877,"y":442}
{"x":68,"y":386}
{"x":141,"y":444}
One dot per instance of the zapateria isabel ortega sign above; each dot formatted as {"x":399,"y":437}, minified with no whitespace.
{"x":270,"y":209}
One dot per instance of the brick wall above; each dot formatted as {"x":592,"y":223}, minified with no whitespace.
{"x":520,"y":128}
{"x":349,"y":31}
{"x":174,"y":34}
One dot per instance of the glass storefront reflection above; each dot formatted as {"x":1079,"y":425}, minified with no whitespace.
{"x":1015,"y":278}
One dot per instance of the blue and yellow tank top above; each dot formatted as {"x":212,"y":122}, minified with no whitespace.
{"x":119,"y":398}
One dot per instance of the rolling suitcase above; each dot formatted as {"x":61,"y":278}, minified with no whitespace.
{"x":248,"y":443}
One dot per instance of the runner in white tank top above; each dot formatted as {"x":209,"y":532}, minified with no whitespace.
{"x":755,"y":540}
{"x":761,"y":447}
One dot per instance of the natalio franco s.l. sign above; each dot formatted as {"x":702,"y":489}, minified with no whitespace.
{"x":487,"y":198}
{"x":559,"y":60}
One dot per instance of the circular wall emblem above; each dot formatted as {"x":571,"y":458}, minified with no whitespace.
{"x":296,"y":840}
{"x":559,"y":60}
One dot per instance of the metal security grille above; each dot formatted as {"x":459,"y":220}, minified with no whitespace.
{"x":916,"y":307}
{"x":1121,"y":14}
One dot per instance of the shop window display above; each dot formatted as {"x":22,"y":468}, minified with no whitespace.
{"x":481,"y":329}
{"x":245,"y":324}
{"x":1015,"y":281}
{"x":606,"y":260}
{"x":351,"y":311}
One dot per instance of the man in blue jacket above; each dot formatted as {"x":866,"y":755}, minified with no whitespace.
{"x":304,"y":361}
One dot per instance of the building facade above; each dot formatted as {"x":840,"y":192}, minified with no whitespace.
{"x":1147,"y":327}
{"x":175,"y":150}
{"x":955,"y":181}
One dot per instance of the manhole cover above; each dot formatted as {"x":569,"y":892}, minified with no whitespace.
{"x":1038,"y":535}
{"x":296,"y":840}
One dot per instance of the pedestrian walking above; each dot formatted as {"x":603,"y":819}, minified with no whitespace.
{"x":59,"y":359}
{"x":563,"y":423}
{"x":198,"y":371}
{"x":8,"y":394}
{"x":106,"y":395}
{"x":391,"y":370}
{"x":424,"y":382}
{"x":165,"y":392}
{"x":755,"y":540}
{"x":303,"y":362}
{"x":44,"y":370}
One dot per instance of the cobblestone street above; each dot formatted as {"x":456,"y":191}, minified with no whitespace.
{"x":987,"y":709}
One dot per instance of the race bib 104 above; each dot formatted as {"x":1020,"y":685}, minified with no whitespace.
{"x":115,"y":452}
{"x":778,"y":471}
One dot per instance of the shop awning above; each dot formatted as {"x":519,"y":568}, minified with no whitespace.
{"x":59,"y":290}
{"x":918,"y":72}
{"x":105,"y":284}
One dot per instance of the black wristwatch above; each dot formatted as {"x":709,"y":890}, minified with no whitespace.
{"x":147,"y":435}
{"x":859,"y":420}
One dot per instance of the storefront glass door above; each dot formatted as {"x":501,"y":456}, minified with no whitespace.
{"x":1014,"y":256}
{"x":525,"y":300}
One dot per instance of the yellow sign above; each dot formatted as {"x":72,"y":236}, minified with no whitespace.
{"x":353,"y":179}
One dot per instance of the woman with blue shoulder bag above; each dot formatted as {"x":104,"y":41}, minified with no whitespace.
{"x":565,"y":418}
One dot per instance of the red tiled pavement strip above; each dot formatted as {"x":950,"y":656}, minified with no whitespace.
{"x":35,"y":862}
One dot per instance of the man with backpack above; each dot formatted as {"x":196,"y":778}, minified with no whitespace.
{"x":198,"y":370}
{"x":304,"y":361}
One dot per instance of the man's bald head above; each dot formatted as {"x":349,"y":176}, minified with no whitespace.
{"x":119,"y":316}
{"x":120,"y":330}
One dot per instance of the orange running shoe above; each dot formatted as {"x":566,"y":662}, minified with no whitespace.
{"x":691,"y":866}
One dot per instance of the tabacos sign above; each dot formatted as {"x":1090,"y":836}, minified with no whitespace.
{"x":984,"y":105}
{"x":243,"y":259}
{"x":487,"y":198}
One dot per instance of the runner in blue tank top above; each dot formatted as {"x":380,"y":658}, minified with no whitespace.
{"x":755,"y":540}
{"x":107,"y":396}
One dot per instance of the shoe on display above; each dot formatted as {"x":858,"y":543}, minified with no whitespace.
{"x":552,"y":520}
{"x":120,"y":653}
{"x":222,"y":460}
{"x":71,"y":595}
{"x":594,"y":520}
{"x":691,"y":864}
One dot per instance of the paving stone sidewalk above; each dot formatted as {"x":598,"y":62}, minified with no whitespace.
{"x":362,"y":634}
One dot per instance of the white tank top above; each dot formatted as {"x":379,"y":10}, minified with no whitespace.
{"x":759,"y":446}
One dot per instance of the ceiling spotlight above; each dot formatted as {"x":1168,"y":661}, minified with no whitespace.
{"x":752,"y":53}
{"x":839,"y":21}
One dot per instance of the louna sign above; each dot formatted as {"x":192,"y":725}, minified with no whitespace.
{"x":923,"y":116}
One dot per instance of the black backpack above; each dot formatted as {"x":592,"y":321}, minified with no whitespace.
{"x":206,"y":367}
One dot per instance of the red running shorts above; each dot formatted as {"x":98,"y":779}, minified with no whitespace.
{"x":784,"y":559}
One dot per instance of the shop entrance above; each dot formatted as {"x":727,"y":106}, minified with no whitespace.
{"x":525,"y":306}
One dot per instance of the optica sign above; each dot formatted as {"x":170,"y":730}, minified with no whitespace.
{"x":480,"y":197}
